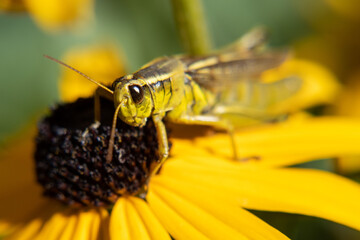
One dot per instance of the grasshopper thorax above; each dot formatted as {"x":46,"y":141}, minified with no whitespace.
{"x":135,"y":99}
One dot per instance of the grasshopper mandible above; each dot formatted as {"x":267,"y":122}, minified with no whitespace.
{"x":195,"y":90}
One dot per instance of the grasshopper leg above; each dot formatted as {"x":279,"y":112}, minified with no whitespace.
{"x":162,"y":141}
{"x":214,"y":121}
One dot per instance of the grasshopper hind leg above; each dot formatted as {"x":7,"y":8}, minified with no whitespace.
{"x":214,"y":121}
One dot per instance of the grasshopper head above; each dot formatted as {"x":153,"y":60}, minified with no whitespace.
{"x":135,"y":99}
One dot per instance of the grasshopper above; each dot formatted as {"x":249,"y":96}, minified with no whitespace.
{"x":197,"y":90}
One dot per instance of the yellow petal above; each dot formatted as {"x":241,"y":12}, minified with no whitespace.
{"x":346,"y":8}
{"x":53,"y":227}
{"x":70,"y":227}
{"x":54,"y":15}
{"x":29,"y":231}
{"x":12,"y":5}
{"x":95,"y":227}
{"x":153,"y":226}
{"x":348,"y":104}
{"x":101,"y":63}
{"x":348,"y":164}
{"x":17,"y":180}
{"x":96,"y":230}
{"x":136,"y":227}
{"x":319,"y":86}
{"x":308,"y":192}
{"x":71,"y":224}
{"x":11,"y":158}
{"x":84,"y":230}
{"x":53,"y":221}
{"x":174,"y":223}
{"x":318,"y":48}
{"x":104,"y":227}
{"x":118,"y":218}
{"x":221,"y":207}
{"x":213,"y":219}
{"x":131,"y":218}
{"x":15,"y":200}
{"x":33,"y":227}
{"x":290,"y":143}
{"x":126,"y":223}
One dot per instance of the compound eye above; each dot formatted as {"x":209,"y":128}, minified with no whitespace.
{"x":137,"y":93}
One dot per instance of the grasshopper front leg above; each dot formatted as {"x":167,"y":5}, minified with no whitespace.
{"x":162,"y":142}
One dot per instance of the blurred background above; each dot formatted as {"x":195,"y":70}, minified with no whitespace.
{"x":129,"y":33}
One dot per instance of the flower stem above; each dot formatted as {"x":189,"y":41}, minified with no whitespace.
{"x":191,"y":25}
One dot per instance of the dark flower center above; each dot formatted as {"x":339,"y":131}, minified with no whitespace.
{"x":71,"y":155}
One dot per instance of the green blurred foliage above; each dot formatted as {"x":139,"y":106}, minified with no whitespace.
{"x":142,"y":29}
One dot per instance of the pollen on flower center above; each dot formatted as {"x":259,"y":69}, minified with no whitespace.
{"x":71,"y":155}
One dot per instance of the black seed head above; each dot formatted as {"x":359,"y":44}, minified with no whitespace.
{"x":71,"y":155}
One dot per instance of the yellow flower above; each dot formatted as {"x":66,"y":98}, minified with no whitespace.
{"x":101,"y":63}
{"x":200,"y":192}
{"x":348,"y":104}
{"x":346,"y":8}
{"x":319,"y":86}
{"x":332,"y":41}
{"x":12,"y":5}
{"x":53,"y":15}
{"x":348,"y":101}
{"x":333,"y":44}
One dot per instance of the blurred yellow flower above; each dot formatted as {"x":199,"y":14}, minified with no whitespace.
{"x":201,"y":192}
{"x":319,"y":86}
{"x":53,"y":15}
{"x":101,"y":63}
{"x":347,"y":8}
{"x":12,"y":5}
{"x":348,"y":104}
{"x":321,"y":50}
{"x":335,"y":44}
{"x":333,"y":39}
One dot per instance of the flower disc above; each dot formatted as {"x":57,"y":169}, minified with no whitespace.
{"x":71,"y":155}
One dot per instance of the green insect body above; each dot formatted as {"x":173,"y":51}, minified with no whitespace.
{"x":172,"y":88}
{"x":162,"y":88}
{"x":199,"y":90}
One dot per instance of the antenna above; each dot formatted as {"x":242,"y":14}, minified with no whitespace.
{"x":82,"y":74}
{"x":112,"y":135}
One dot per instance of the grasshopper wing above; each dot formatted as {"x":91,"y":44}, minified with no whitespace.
{"x":218,"y":72}
{"x":259,"y":100}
